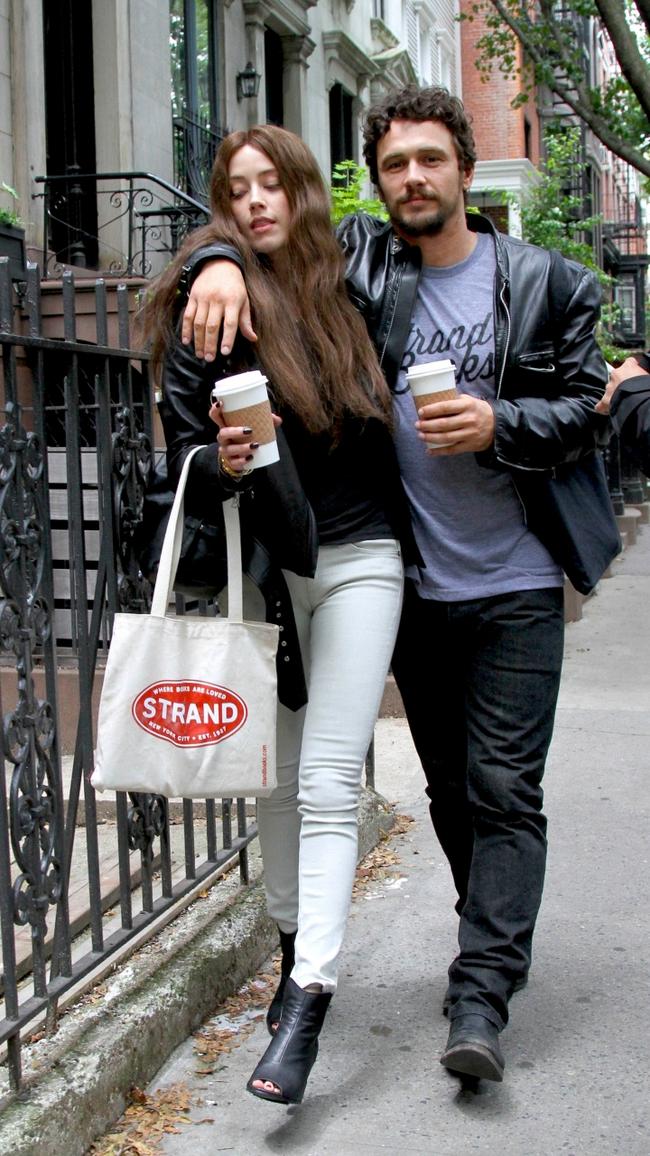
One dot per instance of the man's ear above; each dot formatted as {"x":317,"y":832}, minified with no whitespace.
{"x":468,"y":177}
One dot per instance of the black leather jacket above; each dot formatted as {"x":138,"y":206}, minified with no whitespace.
{"x":549,"y":376}
{"x":630,"y":410}
{"x":549,"y":370}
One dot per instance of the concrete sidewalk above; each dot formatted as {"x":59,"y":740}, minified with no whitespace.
{"x":577,"y":1044}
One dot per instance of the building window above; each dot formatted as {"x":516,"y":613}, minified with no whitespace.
{"x":625,"y":298}
{"x":274,"y":77}
{"x":341,"y":138}
{"x":70,"y":129}
{"x":195,"y":98}
{"x":379,"y":10}
{"x":193,"y":47}
{"x":527,"y":138}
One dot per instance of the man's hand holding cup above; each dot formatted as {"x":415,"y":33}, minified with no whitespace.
{"x":448,"y":422}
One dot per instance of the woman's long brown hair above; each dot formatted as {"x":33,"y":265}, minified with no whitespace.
{"x":312,"y":342}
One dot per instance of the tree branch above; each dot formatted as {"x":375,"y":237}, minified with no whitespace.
{"x":633,"y":66}
{"x":576,"y":95}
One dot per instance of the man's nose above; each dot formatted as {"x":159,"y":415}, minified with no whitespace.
{"x":414,"y":174}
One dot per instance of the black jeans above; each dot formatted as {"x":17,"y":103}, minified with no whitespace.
{"x":479,"y":680}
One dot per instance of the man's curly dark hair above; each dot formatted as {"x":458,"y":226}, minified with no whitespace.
{"x":415,"y":103}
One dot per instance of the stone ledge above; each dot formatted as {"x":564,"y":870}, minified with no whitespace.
{"x":76,"y":1082}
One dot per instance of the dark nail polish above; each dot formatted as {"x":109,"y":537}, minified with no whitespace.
{"x":254,"y":445}
{"x":249,"y":457}
{"x":247,"y":429}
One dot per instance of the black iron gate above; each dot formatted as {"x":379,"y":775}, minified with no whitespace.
{"x":81,"y":412}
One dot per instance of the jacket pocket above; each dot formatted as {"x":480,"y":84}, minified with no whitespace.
{"x":541,"y":361}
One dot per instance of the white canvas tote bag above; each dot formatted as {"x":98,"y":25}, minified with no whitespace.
{"x":188,"y":707}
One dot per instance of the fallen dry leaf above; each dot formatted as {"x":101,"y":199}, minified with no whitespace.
{"x":147,"y":1120}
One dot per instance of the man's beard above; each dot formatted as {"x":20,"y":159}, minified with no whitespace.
{"x":428,"y":226}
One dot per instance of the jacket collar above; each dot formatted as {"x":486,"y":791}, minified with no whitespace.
{"x":476,"y":223}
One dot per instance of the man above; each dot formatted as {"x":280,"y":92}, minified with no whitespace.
{"x":627,"y":400}
{"x":480,"y":645}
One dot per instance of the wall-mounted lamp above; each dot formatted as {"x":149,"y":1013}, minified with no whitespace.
{"x":248,"y":82}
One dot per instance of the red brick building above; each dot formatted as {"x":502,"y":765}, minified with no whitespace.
{"x":508,"y":140}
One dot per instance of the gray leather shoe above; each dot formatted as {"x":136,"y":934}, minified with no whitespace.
{"x":473,"y":1048}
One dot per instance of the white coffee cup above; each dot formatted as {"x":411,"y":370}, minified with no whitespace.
{"x":432,"y":381}
{"x":245,"y":401}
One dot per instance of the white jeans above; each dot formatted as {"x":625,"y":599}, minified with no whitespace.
{"x":347,"y":617}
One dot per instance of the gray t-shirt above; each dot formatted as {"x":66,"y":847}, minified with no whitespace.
{"x":468,"y":519}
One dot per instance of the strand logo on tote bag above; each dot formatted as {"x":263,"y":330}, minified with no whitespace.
{"x":189,"y":704}
{"x":187,"y":714}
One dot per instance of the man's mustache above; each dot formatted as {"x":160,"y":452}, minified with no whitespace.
{"x":419,"y":196}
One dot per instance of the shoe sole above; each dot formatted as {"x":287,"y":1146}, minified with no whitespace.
{"x":473,"y":1060}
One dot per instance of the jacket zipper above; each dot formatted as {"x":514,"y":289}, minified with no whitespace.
{"x":398,"y":282}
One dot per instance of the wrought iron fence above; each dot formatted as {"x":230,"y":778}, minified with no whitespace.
{"x":124,"y":224}
{"x":83,"y":413}
{"x":195,"y":145}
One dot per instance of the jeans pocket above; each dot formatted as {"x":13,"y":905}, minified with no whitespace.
{"x":380,"y":547}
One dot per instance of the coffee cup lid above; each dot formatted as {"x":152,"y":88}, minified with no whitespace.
{"x":240,"y":381}
{"x":429,"y":367}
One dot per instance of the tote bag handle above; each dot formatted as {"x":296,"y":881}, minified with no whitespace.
{"x":171,"y":550}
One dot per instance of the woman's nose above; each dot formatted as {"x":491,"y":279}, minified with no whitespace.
{"x":257,"y":195}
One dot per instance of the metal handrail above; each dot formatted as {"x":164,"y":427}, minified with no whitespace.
{"x":131,"y":229}
{"x":136,"y":174}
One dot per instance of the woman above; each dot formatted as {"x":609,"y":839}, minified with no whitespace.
{"x":330,"y":515}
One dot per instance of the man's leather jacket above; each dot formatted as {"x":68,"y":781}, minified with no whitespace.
{"x":549,"y":370}
{"x":549,"y":375}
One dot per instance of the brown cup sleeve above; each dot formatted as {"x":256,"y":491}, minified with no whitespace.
{"x":258,"y":417}
{"x":423,"y":399}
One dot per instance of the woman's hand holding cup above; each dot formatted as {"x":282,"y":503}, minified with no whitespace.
{"x":236,"y":449}
{"x":243,"y":400}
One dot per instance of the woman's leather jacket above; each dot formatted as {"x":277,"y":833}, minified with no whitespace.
{"x":278,"y":525}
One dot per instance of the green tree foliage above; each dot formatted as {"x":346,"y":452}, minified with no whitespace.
{"x":550,"y":35}
{"x":348,"y":179}
{"x":553,"y":217}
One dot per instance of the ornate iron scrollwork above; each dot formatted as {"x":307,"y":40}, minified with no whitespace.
{"x":131,"y":467}
{"x":29,"y":728}
{"x":147,"y":819}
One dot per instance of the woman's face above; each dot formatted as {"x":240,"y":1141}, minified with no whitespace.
{"x":259,"y":203}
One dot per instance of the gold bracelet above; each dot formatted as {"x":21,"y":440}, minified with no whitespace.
{"x":226,"y":468}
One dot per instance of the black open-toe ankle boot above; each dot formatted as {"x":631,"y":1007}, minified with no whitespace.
{"x":291,"y":1055}
{"x":288,"y":945}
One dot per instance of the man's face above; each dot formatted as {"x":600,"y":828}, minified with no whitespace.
{"x":419,"y":178}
